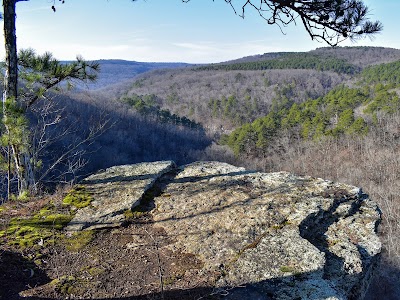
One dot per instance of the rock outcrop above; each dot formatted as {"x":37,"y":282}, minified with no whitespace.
{"x":264,"y":236}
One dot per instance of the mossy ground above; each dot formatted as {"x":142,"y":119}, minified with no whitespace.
{"x":286,"y":269}
{"x":36,"y":223}
{"x":37,"y":230}
{"x":96,"y":263}
{"x":63,"y":284}
{"x":78,"y":240}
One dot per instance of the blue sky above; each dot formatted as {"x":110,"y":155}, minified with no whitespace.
{"x":201,"y":31}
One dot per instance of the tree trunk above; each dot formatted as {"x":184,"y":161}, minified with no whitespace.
{"x":11,"y":73}
{"x":21,"y":160}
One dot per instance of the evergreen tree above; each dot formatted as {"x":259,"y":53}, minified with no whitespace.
{"x":38,"y":74}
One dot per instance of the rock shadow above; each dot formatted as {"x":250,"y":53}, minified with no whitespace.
{"x":17,"y":274}
{"x":276,"y":288}
{"x":314,"y":228}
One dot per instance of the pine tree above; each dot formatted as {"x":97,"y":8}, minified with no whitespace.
{"x":38,"y":74}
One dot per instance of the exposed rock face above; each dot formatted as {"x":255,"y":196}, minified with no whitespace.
{"x":116,"y":190}
{"x":264,"y":236}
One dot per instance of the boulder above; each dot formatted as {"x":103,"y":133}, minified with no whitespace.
{"x":262,"y":235}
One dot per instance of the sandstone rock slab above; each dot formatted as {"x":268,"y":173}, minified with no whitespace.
{"x":114,"y":191}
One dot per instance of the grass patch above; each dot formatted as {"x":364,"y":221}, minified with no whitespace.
{"x":24,"y":196}
{"x":136,"y":213}
{"x":95,"y":271}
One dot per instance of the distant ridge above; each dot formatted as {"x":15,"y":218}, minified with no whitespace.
{"x":360,"y":56}
{"x":349,"y":60}
{"x":258,"y":57}
{"x":114,"y":71}
{"x":345,"y":60}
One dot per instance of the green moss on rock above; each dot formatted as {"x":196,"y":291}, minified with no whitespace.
{"x":286,"y":269}
{"x":78,"y":197}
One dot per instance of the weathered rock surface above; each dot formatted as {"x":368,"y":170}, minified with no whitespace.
{"x":116,"y":190}
{"x":264,"y":236}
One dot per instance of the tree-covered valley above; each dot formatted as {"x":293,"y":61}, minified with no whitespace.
{"x":332,"y":113}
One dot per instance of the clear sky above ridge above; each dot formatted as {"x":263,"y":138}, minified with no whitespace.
{"x":201,"y":31}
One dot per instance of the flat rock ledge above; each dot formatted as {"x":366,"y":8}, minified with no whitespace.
{"x":264,"y":236}
{"x":116,"y":190}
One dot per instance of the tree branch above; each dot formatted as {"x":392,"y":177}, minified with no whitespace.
{"x":330,"y":21}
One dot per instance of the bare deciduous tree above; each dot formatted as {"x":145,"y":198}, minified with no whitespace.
{"x":50,"y":128}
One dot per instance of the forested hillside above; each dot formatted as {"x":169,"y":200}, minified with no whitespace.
{"x":221,"y":99}
{"x":291,"y":61}
{"x":221,"y":96}
{"x":359,"y":56}
{"x":97,"y":132}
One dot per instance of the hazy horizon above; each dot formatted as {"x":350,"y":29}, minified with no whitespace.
{"x":157,"y":31}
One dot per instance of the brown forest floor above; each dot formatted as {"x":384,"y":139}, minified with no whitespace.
{"x":131,"y":262}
